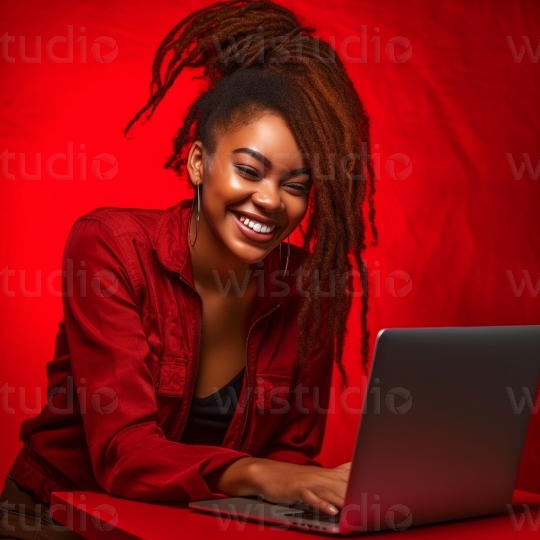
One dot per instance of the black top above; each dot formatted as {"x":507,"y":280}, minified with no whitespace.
{"x":209,"y":417}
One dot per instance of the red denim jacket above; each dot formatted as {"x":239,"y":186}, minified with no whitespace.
{"x":125,"y":365}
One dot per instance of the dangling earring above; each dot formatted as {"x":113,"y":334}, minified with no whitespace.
{"x":198,"y":196}
{"x":288,"y":254}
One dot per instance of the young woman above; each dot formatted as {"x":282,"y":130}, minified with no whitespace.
{"x":195,"y":355}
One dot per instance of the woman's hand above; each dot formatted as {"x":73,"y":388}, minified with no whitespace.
{"x":286,"y":483}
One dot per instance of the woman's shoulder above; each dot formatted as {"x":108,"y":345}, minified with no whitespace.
{"x":110,"y":231}
{"x":118,"y":218}
{"x":124,"y":225}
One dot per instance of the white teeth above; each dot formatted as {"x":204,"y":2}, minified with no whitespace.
{"x":257,"y":227}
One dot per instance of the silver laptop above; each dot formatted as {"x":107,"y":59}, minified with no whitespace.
{"x":442,"y":428}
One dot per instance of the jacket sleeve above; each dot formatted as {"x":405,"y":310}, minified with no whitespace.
{"x":299,"y":437}
{"x":129,"y":453}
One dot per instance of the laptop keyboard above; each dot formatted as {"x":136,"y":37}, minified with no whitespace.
{"x":309,"y":512}
{"x":305,"y":511}
{"x":318,"y":516}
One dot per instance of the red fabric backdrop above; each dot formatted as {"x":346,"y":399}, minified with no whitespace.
{"x":452,"y":90}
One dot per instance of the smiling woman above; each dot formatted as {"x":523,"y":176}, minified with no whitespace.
{"x":239,"y":182}
{"x":158,"y":342}
{"x":243,"y":190}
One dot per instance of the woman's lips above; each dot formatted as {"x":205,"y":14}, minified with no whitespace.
{"x":250,"y":234}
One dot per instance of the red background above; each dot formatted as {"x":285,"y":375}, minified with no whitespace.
{"x":452,"y":120}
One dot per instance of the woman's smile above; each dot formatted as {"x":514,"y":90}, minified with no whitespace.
{"x":254,"y":230}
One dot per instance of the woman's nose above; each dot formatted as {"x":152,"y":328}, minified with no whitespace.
{"x":268,"y":197}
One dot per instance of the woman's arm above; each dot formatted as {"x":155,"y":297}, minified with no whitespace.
{"x":129,"y":453}
{"x":284,"y":483}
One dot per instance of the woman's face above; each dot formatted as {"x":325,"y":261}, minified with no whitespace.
{"x":256,"y":172}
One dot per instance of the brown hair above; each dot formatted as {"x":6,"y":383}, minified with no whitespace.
{"x":257,"y":57}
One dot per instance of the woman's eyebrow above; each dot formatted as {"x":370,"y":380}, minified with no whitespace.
{"x":266,"y":162}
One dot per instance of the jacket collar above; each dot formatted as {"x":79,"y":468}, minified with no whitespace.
{"x":171,"y":245}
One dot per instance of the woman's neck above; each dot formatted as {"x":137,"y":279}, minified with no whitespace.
{"x":215,"y":269}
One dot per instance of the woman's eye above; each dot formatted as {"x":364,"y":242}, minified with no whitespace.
{"x":248,"y":171}
{"x":302,"y":188}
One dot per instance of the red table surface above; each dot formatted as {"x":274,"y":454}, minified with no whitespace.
{"x":97,"y":515}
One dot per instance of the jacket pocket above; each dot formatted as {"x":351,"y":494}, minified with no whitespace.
{"x":171,"y":377}
{"x":273,"y":394}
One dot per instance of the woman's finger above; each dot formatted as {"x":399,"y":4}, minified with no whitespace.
{"x":335,"y":497}
{"x":309,"y":497}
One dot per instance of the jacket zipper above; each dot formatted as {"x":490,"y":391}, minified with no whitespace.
{"x":247,"y":409}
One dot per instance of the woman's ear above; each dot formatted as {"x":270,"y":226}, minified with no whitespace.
{"x":195,"y":163}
